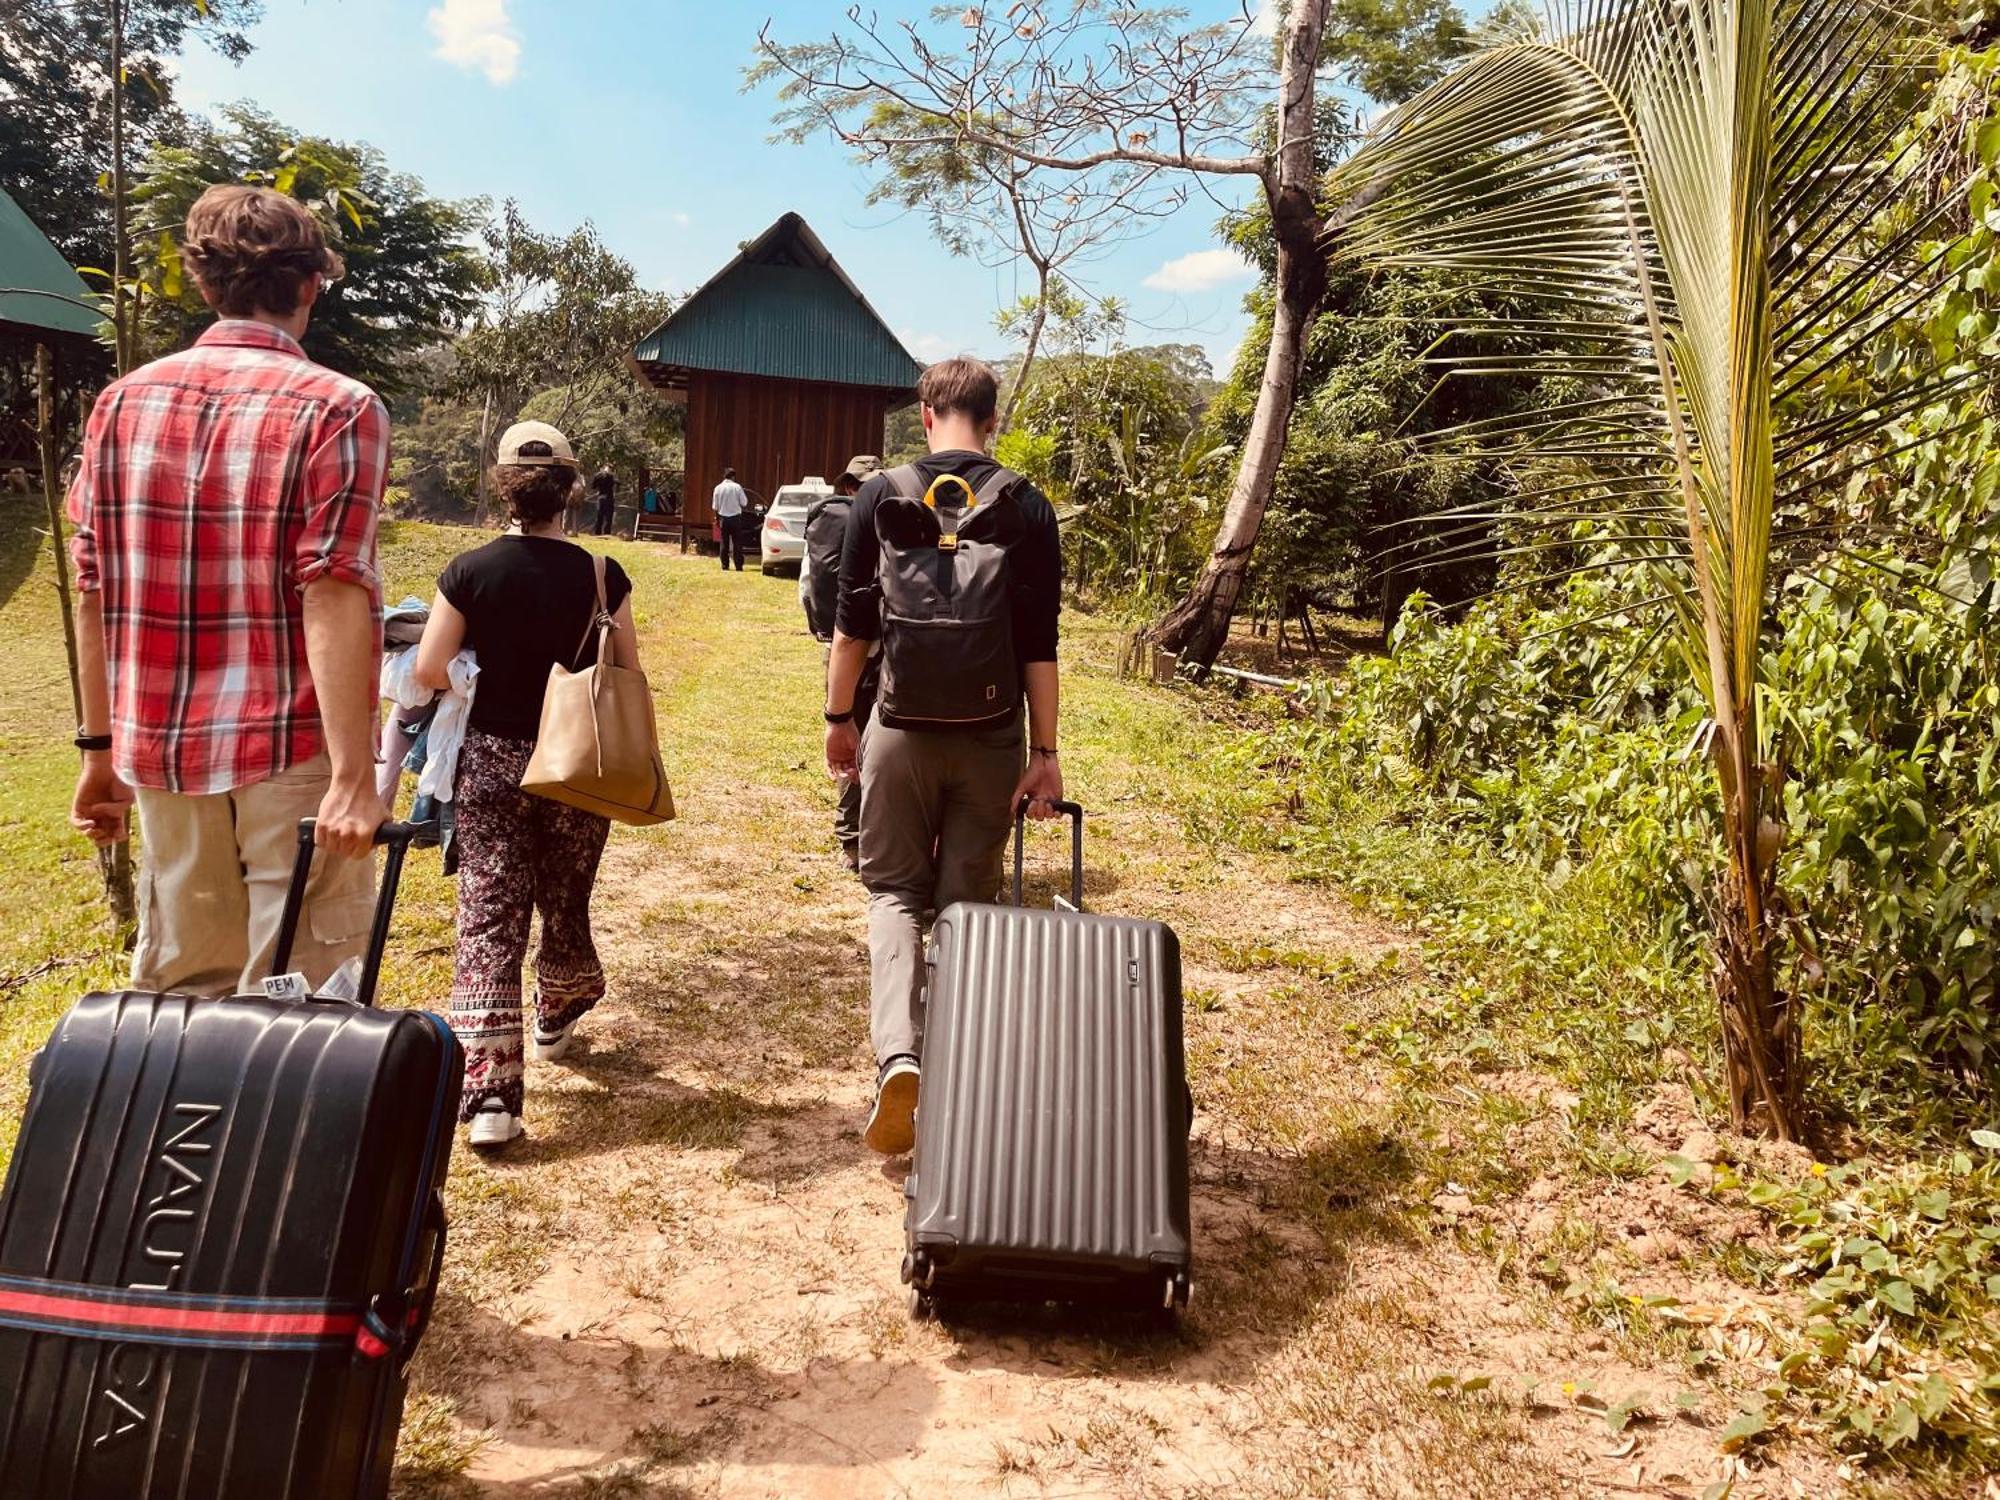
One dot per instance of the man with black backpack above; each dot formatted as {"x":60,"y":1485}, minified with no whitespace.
{"x":952,"y":564}
{"x":819,"y":592}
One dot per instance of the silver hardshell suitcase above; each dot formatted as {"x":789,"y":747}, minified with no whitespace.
{"x":1052,"y":1135}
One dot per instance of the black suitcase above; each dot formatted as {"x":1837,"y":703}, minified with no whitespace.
{"x":220,"y":1239}
{"x":1051,"y":1160}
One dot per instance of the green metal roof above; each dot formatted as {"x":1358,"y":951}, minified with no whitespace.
{"x":37,"y":286}
{"x":782,"y":309}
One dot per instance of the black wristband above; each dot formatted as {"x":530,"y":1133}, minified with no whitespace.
{"x":93,"y":741}
{"x":834,"y":718}
{"x":1042,"y":750}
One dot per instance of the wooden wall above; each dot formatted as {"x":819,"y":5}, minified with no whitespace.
{"x":773,"y":433}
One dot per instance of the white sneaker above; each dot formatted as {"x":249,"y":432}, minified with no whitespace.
{"x":493,"y":1126}
{"x":892,"y":1126}
{"x":549,"y":1046}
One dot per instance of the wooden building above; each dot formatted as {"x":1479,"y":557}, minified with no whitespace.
{"x":785,"y":369}
{"x":43,"y":304}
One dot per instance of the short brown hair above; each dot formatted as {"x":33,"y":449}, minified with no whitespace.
{"x":535,"y":494}
{"x":252,"y":250}
{"x":963,"y":384}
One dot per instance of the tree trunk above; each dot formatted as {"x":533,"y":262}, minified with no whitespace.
{"x":1197,"y":627}
{"x":121,"y":330}
{"x":485,"y":441}
{"x":114,"y":863}
{"x":1760,"y":1040}
{"x":1034,"y":344}
{"x":45,"y":442}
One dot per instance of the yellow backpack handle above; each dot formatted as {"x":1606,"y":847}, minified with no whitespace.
{"x":971,"y":498}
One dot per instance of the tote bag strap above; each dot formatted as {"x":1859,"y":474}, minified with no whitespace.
{"x":600,"y":618}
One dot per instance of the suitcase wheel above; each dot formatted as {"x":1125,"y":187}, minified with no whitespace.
{"x":1174,"y":1293}
{"x":923,"y":1306}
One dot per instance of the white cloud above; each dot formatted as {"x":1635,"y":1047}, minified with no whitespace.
{"x":477,"y":35}
{"x":1203,"y":271}
{"x":1266,"y":23}
{"x":684,"y":220}
{"x":929,"y":347}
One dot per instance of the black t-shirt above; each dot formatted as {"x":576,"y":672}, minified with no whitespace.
{"x":1034,"y":555}
{"x":603,"y":484}
{"x":527,"y":601}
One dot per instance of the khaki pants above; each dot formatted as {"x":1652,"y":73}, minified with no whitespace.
{"x":934,"y":827}
{"x":212,"y":887}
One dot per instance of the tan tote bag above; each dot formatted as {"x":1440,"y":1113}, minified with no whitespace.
{"x":599,"y":746}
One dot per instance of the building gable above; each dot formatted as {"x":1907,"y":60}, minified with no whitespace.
{"x":782,"y":310}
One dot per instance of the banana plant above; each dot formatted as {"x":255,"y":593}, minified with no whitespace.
{"x":1713,"y":207}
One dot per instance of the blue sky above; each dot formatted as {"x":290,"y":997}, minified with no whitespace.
{"x":630,"y":113}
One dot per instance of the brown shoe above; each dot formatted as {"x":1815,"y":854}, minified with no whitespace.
{"x":892,"y":1125}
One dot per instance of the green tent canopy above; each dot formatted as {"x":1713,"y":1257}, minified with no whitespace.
{"x":39,"y":290}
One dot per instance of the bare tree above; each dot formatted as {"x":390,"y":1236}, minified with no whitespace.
{"x":1093,"y":90}
{"x":996,"y":207}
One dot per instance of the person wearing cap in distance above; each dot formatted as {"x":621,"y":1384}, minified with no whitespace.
{"x":524,"y":603}
{"x":819,"y":592}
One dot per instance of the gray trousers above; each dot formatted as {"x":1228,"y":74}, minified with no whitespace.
{"x":934,"y":827}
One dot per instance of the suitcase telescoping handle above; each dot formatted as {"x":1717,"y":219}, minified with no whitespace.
{"x":399,"y":839}
{"x":1074,"y":812}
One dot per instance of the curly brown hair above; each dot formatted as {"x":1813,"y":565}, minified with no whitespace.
{"x":252,"y":250}
{"x":536,"y":494}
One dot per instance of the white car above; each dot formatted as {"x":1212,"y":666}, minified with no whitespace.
{"x":783,"y":537}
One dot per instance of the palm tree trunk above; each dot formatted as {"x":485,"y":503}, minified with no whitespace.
{"x":1760,"y":1040}
{"x":1197,"y":627}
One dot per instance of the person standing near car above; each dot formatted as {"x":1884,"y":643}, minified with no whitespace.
{"x":939,"y":793}
{"x":730,"y":504}
{"x":525,"y":603}
{"x":819,"y":591}
{"x":229,"y":633}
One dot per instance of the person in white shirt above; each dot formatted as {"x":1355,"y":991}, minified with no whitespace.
{"x":730,"y":503}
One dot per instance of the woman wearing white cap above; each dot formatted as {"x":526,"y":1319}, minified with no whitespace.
{"x":523,"y":603}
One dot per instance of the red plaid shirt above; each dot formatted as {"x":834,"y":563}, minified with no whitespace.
{"x":216,"y":484}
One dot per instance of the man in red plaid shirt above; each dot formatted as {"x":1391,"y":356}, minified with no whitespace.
{"x":225,"y":517}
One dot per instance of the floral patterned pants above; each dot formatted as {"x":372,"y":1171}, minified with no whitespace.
{"x":517,"y":855}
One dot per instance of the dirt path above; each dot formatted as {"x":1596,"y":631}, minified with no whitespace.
{"x":685,"y":1281}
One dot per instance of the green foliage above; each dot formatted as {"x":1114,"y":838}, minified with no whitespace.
{"x":549,"y":342}
{"x":564,"y":313}
{"x":1527,"y":783}
{"x":1899,"y":1271}
{"x":1391,"y":49}
{"x":1113,"y":439}
{"x":55,"y":101}
{"x":435,"y":459}
{"x":622,"y":426}
{"x":1348,"y":517}
{"x":410,"y":276}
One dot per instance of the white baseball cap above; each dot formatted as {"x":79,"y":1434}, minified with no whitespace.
{"x":526,"y":434}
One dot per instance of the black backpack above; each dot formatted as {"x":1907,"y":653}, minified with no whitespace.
{"x":826,"y":535}
{"x":947,"y":603}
